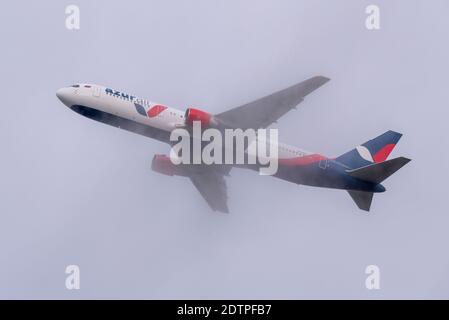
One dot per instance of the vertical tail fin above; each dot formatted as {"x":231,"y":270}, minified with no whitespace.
{"x":373,"y":151}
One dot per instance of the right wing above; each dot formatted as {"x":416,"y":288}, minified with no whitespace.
{"x":212,"y":186}
{"x":265,"y":111}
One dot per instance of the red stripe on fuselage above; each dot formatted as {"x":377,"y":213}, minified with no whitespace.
{"x":302,"y":161}
{"x":155,"y":110}
{"x":383,"y":153}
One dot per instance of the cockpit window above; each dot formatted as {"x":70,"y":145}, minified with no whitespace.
{"x":87,"y":86}
{"x":76,"y":86}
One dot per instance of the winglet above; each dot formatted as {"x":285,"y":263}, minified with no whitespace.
{"x":310,"y":85}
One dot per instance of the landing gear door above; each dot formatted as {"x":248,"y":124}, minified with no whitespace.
{"x":96,"y":91}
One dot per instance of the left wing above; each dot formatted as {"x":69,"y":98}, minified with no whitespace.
{"x":263,"y":112}
{"x":212,"y":186}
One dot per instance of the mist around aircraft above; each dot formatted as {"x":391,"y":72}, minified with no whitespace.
{"x":360,"y":171}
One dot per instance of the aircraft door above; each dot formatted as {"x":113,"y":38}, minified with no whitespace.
{"x":323,"y":164}
{"x":96,"y":91}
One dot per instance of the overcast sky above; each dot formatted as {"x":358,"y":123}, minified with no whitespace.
{"x":74,"y":191}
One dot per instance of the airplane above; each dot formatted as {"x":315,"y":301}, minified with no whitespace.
{"x":360,"y":171}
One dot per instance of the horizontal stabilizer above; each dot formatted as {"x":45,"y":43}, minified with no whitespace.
{"x":362,"y":199}
{"x":378,"y":172}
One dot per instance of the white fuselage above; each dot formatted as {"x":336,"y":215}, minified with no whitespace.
{"x":125,"y":106}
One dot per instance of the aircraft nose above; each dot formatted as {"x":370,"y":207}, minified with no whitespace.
{"x":64,"y":95}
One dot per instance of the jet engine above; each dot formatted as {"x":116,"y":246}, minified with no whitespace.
{"x":206,"y":119}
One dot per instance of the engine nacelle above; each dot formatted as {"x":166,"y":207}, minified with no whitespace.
{"x":162,"y":164}
{"x":206,"y":119}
